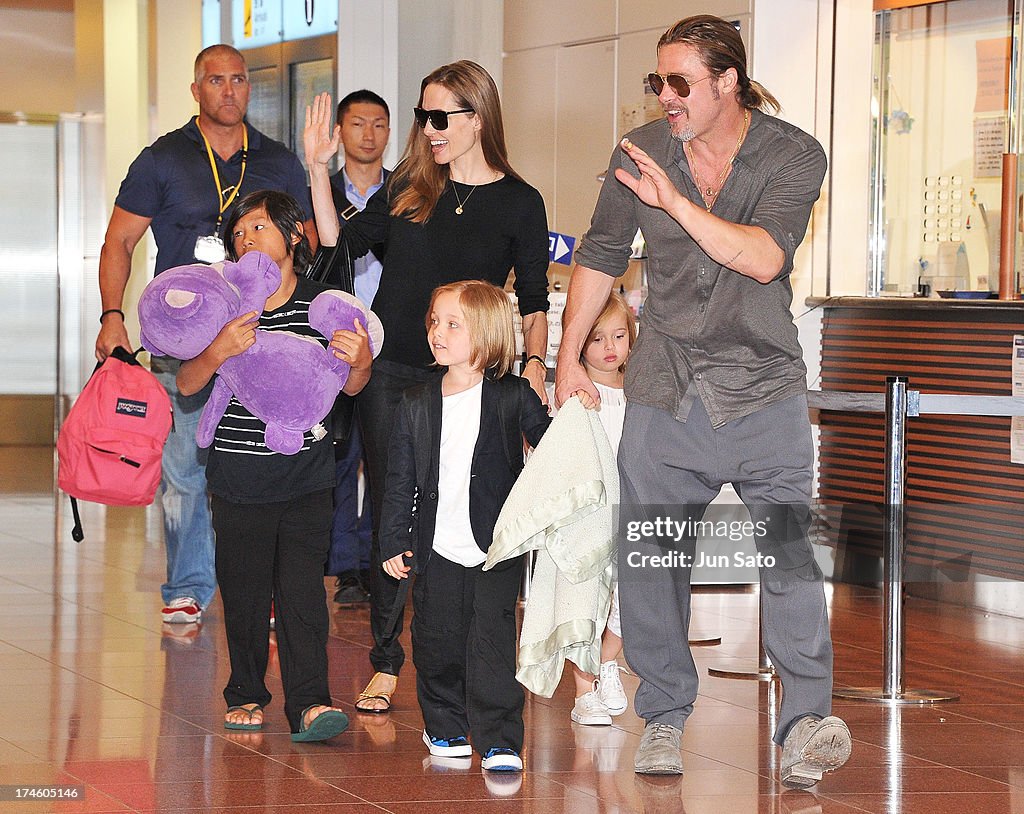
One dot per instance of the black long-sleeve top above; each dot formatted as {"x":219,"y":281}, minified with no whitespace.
{"x":503,"y":227}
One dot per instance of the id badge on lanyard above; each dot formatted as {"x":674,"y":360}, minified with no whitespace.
{"x":210,"y":248}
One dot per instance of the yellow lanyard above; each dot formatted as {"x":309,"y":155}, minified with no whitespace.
{"x":216,"y":175}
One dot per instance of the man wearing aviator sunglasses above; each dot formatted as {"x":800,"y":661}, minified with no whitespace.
{"x":680,"y":86}
{"x":438,"y":118}
{"x":717,"y":378}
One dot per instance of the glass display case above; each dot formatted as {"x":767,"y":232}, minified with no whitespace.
{"x":944,"y":108}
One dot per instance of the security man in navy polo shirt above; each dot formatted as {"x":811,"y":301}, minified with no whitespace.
{"x":184,"y":187}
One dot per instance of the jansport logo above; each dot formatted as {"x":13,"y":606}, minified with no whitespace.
{"x":132,"y":408}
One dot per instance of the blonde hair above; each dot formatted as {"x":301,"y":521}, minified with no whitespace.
{"x":489,"y":320}
{"x":616,"y":304}
{"x":418,"y":178}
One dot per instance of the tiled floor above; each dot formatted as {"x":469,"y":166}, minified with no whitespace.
{"x":95,"y":691}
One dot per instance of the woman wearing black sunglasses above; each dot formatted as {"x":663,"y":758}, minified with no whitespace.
{"x":454,"y":209}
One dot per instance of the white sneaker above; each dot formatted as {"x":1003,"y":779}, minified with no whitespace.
{"x":181,"y":610}
{"x":590,"y":710}
{"x":447,"y":747}
{"x":502,"y":759}
{"x":610,"y":689}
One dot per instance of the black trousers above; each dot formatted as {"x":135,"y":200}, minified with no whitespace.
{"x":275,"y":551}
{"x":464,"y":649}
{"x":377,"y":404}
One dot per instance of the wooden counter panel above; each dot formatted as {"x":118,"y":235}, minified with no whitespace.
{"x":964,"y":499}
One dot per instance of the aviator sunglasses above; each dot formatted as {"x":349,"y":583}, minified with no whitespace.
{"x":675,"y":81}
{"x":438,"y":118}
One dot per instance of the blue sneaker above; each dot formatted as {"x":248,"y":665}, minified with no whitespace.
{"x":502,"y":759}
{"x":448,"y":747}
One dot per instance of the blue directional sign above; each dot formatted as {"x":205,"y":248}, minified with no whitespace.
{"x":560,"y":248}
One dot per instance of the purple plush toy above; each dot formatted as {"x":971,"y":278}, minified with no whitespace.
{"x":288,"y":381}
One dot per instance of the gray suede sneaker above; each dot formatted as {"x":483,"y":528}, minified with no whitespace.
{"x":658,"y":752}
{"x":813,"y":747}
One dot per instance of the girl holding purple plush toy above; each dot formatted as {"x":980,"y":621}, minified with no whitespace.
{"x":272,"y":512}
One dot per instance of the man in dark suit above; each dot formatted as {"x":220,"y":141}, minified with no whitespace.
{"x":365,"y":127}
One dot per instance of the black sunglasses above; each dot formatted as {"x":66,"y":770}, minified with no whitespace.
{"x":438,"y":118}
{"x":675,"y":81}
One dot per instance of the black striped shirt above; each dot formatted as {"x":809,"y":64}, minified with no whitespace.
{"x":241,"y":468}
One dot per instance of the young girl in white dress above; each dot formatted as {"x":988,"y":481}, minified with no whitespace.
{"x":604,"y":358}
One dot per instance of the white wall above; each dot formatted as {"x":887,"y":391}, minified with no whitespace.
{"x":790,"y":73}
{"x":793,"y":58}
{"x":436,"y":33}
{"x":37,"y":49}
{"x":849,"y":153}
{"x":368,"y":58}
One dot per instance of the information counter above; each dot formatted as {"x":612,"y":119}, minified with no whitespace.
{"x":964,"y":496}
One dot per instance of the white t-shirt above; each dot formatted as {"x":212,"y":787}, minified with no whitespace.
{"x":460,"y":427}
{"x":612,"y":413}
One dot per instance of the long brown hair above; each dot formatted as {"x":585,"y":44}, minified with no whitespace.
{"x":721,"y":48}
{"x":418,"y":179}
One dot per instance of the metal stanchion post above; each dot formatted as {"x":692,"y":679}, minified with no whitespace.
{"x":524,"y":588}
{"x":764,"y":670}
{"x":894,"y":633}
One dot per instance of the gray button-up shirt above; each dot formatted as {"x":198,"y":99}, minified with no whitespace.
{"x":706,"y":329}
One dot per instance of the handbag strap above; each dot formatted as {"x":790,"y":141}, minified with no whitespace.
{"x":326,"y":260}
{"x":347,"y":270}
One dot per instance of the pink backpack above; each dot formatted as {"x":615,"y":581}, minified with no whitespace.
{"x":110,"y":445}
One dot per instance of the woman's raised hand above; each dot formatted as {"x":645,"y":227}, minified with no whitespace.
{"x":320,"y":142}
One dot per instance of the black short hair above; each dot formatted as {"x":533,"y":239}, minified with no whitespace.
{"x":363,"y":95}
{"x":284,"y":211}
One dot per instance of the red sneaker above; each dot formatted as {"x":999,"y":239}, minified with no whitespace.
{"x":182,"y":610}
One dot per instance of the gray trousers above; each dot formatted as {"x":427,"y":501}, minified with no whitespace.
{"x":673,"y":469}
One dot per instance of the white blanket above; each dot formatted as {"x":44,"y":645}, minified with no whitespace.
{"x":562,"y":506}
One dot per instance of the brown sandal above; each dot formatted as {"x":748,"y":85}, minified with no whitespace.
{"x":381,"y":688}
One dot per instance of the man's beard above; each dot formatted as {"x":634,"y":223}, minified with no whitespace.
{"x":685,"y":136}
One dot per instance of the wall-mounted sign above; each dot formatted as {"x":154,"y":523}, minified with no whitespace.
{"x":268,"y":22}
{"x":309,"y":18}
{"x":988,"y":146}
{"x":993,"y":75}
{"x":560,"y":248}
{"x":255,"y":23}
